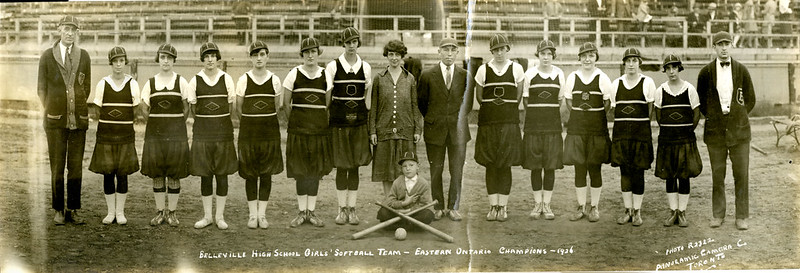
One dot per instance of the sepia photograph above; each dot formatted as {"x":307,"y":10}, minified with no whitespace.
{"x":399,"y":135}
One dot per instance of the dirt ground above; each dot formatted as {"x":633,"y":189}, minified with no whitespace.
{"x":30,"y":242}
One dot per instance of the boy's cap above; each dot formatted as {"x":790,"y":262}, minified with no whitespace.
{"x":671,"y":59}
{"x":117,"y":51}
{"x":350,"y":33}
{"x":257,"y":46}
{"x":722,"y":36}
{"x":586,"y":47}
{"x":69,"y":20}
{"x":168,"y":49}
{"x":498,"y":41}
{"x":408,"y":156}
{"x":448,"y":42}
{"x":209,"y":46}
{"x":309,"y":43}
{"x":545,"y":44}
{"x":631,"y":52}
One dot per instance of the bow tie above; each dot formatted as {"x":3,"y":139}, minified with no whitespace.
{"x":724,"y":64}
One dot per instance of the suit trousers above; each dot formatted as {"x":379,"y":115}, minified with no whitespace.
{"x":65,"y":148}
{"x":740,"y":163}
{"x":456,"y":154}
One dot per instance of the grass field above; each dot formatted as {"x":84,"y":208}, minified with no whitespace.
{"x":30,"y":242}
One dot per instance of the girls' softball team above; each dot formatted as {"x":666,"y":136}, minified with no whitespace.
{"x":334,"y":115}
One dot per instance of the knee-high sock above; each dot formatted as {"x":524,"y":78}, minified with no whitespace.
{"x":672,"y":199}
{"x":312,"y":202}
{"x":502,"y":200}
{"x":302,"y":202}
{"x":262,"y":208}
{"x":637,"y":201}
{"x":173,"y":201}
{"x":160,"y":199}
{"x":547,"y":195}
{"x":494,"y":199}
{"x":252,"y":207}
{"x":627,"y":199}
{"x":352,"y":196}
{"x":683,"y":201}
{"x":596,"y":195}
{"x":580,"y":193}
{"x":220,"y":207}
{"x":341,"y":196}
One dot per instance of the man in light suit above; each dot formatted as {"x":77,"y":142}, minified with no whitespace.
{"x":443,"y":101}
{"x":63,"y":86}
{"x":726,"y":99}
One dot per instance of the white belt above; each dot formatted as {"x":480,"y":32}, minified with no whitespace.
{"x":541,"y":85}
{"x":313,"y":90}
{"x":590,"y":92}
{"x":675,"y":106}
{"x":314,"y":106}
{"x":213,"y":116}
{"x":259,"y":95}
{"x":116,"y":122}
{"x":631,"y":119}
{"x":543,"y":105}
{"x":166,"y":115}
{"x":167,"y":93}
{"x":349,"y":81}
{"x":677,"y":125}
{"x":347,"y":98}
{"x":500,"y":84}
{"x":504,"y":100}
{"x":117,"y":104}
{"x":211,"y":96}
{"x":258,"y":115}
{"x":590,"y":109}
{"x":631,"y":102}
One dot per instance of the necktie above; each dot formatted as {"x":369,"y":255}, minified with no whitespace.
{"x":724,"y":64}
{"x":68,"y":60}
{"x":447,"y":77}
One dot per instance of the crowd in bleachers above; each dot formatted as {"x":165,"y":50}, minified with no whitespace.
{"x":755,"y":23}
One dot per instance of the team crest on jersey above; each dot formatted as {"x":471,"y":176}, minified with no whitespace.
{"x":212,"y":106}
{"x":628,"y":109}
{"x":260,"y":105}
{"x":115,"y":113}
{"x":675,"y":116}
{"x":351,"y":90}
{"x":544,"y":95}
{"x":499,"y":92}
{"x":740,"y":96}
{"x":312,"y":98}
{"x":585,"y":95}
{"x":164,"y":104}
{"x":351,"y":104}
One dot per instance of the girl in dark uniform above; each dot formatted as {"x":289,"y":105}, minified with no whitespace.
{"x":115,"y":152}
{"x":165,"y":158}
{"x":212,"y":93}
{"x":587,"y":145}
{"x":543,"y":145}
{"x":632,"y":144}
{"x":500,"y":83}
{"x":352,"y":85}
{"x":677,"y":159}
{"x":258,"y":96}
{"x":309,"y":155}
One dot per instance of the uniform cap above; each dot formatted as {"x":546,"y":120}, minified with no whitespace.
{"x":671,"y":59}
{"x":350,"y":33}
{"x":167,"y":49}
{"x":497,"y":41}
{"x":545,"y":44}
{"x":115,"y":52}
{"x":586,"y":47}
{"x":407,"y":156}
{"x":309,"y":43}
{"x":69,"y":20}
{"x":207,"y":47}
{"x":257,"y":46}
{"x":448,"y":42}
{"x":721,"y":36}
{"x":631,"y":52}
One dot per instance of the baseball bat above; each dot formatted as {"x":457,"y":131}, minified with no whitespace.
{"x":436,"y":232}
{"x":389,"y":222}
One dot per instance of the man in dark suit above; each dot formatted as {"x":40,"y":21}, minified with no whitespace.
{"x":63,"y":87}
{"x":444,"y":104}
{"x":713,"y":15}
{"x":726,"y":99}
{"x":599,"y":9}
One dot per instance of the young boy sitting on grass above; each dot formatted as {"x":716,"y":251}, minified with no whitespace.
{"x":409,"y":192}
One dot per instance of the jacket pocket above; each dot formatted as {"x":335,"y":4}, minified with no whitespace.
{"x":54,"y":116}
